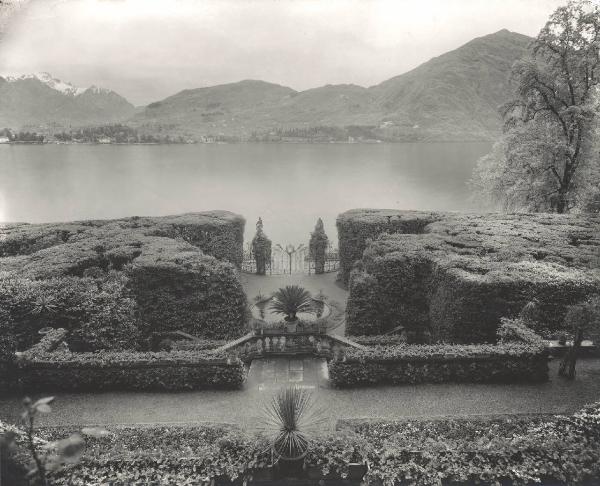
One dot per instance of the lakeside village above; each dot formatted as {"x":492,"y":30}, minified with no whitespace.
{"x":119,"y":134}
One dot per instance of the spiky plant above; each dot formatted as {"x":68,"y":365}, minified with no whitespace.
{"x":290,"y":300}
{"x":290,"y":420}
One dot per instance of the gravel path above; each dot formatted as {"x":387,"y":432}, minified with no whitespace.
{"x":556,"y":396}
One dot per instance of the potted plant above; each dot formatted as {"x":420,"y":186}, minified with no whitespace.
{"x":290,"y":419}
{"x":289,"y":301}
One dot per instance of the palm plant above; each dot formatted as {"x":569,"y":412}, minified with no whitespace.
{"x":290,"y":420}
{"x":290,"y":300}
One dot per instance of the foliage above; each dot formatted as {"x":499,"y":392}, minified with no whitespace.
{"x":45,"y":458}
{"x":113,"y":283}
{"x":563,"y":449}
{"x":544,"y":160}
{"x":43,"y":368}
{"x":492,"y":452}
{"x":584,"y":321}
{"x":289,"y":421}
{"x":290,"y":300}
{"x":115,"y":133}
{"x":99,"y":314}
{"x":188,"y":291}
{"x":378,"y":340}
{"x":198,"y":345}
{"x":317,"y":246}
{"x":357,"y":227}
{"x":585,"y":315}
{"x":520,"y":355}
{"x":261,"y":249}
{"x":433,"y":283}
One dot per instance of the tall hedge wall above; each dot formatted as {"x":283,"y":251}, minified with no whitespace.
{"x":185,"y":290}
{"x":455,"y":280}
{"x":357,"y":226}
{"x":113,"y":282}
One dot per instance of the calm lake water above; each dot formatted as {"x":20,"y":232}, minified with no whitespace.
{"x":288,"y":185}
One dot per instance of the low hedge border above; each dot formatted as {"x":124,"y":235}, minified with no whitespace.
{"x":558,"y":450}
{"x":39,"y":369}
{"x":519,"y":356}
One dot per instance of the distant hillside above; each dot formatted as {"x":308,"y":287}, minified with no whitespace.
{"x":457,"y":94}
{"x":42,"y":102}
{"x":454,"y":96}
{"x":451,"y":97}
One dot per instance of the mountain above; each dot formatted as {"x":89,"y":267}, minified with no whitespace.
{"x":458,"y":93}
{"x":42,"y":102}
{"x":231,"y":108}
{"x":454,"y":96}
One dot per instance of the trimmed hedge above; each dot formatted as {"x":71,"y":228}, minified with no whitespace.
{"x":358,"y":226}
{"x":519,"y":356}
{"x":47,"y":366}
{"x":456,"y":279}
{"x":99,"y":313}
{"x":176,"y":370}
{"x":559,"y":450}
{"x":105,"y":280}
{"x":184,"y":290}
{"x":217,"y":233}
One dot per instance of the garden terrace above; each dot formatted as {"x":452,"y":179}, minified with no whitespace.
{"x":460,"y":274}
{"x":113,"y":284}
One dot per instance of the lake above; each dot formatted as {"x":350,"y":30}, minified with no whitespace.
{"x":288,"y":185}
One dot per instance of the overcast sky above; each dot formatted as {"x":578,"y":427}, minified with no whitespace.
{"x":149,"y":49}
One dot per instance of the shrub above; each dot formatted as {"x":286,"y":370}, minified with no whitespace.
{"x":128,"y":370}
{"x":318,"y":246}
{"x":261,"y":249}
{"x":198,"y":345}
{"x":99,"y":314}
{"x":458,"y":277}
{"x":358,"y":226}
{"x":514,"y":450}
{"x":184,"y":290}
{"x":75,"y":275}
{"x":520,"y":356}
{"x":290,"y":300}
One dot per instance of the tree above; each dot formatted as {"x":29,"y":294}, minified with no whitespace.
{"x":317,"y":246}
{"x":546,"y":158}
{"x":261,"y":249}
{"x":584,"y":320}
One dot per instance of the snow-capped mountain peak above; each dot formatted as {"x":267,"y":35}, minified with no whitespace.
{"x":48,"y":80}
{"x":58,"y":85}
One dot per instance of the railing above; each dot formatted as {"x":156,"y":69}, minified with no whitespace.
{"x":270,"y":343}
{"x":283,"y":263}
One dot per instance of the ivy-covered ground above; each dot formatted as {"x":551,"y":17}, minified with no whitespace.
{"x":555,"y":396}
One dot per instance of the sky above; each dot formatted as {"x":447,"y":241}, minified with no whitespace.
{"x":149,"y":49}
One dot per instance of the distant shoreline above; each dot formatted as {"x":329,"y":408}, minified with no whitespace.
{"x":250,"y":142}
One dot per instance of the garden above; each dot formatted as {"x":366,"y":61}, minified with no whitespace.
{"x":159,"y":305}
